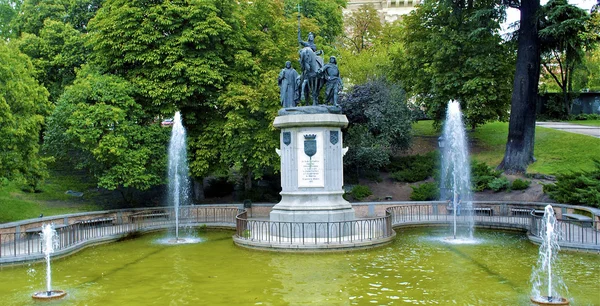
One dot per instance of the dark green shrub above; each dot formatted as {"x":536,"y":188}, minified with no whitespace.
{"x":413,"y":168}
{"x":425,"y":192}
{"x":498,"y":184}
{"x":360,"y":192}
{"x":482,"y":175}
{"x":581,"y":188}
{"x":520,"y":184}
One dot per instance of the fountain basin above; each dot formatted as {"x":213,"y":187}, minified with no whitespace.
{"x":49,"y":295}
{"x":545,"y":300}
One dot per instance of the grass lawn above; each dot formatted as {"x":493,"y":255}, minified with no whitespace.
{"x":18,"y":205}
{"x":586,"y":122}
{"x":555,"y":151}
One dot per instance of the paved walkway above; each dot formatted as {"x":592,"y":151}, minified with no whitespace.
{"x":593,"y":131}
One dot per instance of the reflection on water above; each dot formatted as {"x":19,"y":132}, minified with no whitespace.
{"x":415,"y":269}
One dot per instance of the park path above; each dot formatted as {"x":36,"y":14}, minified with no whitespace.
{"x":593,"y":131}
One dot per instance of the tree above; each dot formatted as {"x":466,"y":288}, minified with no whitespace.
{"x":363,"y":27}
{"x":77,"y":13}
{"x":326,"y":13}
{"x":379,"y":124}
{"x":373,"y":62}
{"x":8,"y":12}
{"x":452,"y":50}
{"x":521,"y":127}
{"x":564,"y":39}
{"x":178,"y":53}
{"x":98,"y":126}
{"x":56,"y":52}
{"x":23,"y":107}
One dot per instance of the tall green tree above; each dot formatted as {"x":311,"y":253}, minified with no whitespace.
{"x":521,"y":127}
{"x":452,"y":50}
{"x":565,"y":36}
{"x":250,"y":103}
{"x":326,"y":13}
{"x":56,"y":52}
{"x":9,"y":10}
{"x":363,"y":26}
{"x":23,"y":107}
{"x":98,"y":126}
{"x":179,"y":53}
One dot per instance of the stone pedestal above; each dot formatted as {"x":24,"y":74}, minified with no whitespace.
{"x":312,"y":169}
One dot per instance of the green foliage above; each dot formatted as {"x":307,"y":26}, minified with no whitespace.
{"x":520,"y":184}
{"x":577,"y":187}
{"x":373,"y":60}
{"x":9,"y":10}
{"x":414,"y":168}
{"x":56,"y":51}
{"x":499,"y":183}
{"x":76,"y":13}
{"x":23,"y":107}
{"x":326,"y":13}
{"x":483,"y":175}
{"x":425,"y":192}
{"x":565,"y":34}
{"x":179,"y":54}
{"x":359,"y":192}
{"x":453,"y":51}
{"x":364,"y":26}
{"x":380,"y":124}
{"x":98,"y":125}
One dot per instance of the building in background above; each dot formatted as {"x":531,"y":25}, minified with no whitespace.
{"x":389,"y":10}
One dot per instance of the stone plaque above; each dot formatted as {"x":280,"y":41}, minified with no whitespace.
{"x":310,"y":159}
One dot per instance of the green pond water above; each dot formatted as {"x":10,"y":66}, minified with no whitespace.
{"x":415,"y":269}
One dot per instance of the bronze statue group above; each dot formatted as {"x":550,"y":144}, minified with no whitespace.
{"x":297,"y":88}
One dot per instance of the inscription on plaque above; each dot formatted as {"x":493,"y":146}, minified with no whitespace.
{"x":310,"y":159}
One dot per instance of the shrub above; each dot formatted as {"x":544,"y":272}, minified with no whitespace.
{"x":520,"y":184}
{"x":425,"y":192}
{"x":414,"y":168}
{"x":360,"y":192}
{"x":482,"y":175}
{"x":498,"y":184}
{"x":582,"y":188}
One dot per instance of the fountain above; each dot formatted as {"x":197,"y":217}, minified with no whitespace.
{"x":179,"y":185}
{"x":49,"y":242}
{"x":456,"y":170}
{"x":543,"y":273}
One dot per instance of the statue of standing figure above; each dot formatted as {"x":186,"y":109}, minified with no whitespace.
{"x":331,"y":74}
{"x":287,"y":85}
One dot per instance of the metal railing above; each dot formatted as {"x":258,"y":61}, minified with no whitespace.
{"x":579,"y":233}
{"x":313,"y":233}
{"x":29,"y":242}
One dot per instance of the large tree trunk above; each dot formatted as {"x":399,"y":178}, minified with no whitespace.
{"x":521,"y":128}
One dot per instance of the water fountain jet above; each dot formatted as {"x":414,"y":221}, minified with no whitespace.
{"x":49,"y":242}
{"x":179,"y":185}
{"x":543,"y":273}
{"x":456,"y":169}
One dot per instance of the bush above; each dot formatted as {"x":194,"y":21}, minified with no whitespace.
{"x":414,"y":168}
{"x":520,"y":184}
{"x":498,"y":184}
{"x":425,"y":192}
{"x":580,"y":188}
{"x":360,"y":192}
{"x":482,"y":175}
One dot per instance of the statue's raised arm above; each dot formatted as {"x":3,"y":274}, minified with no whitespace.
{"x":311,"y":38}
